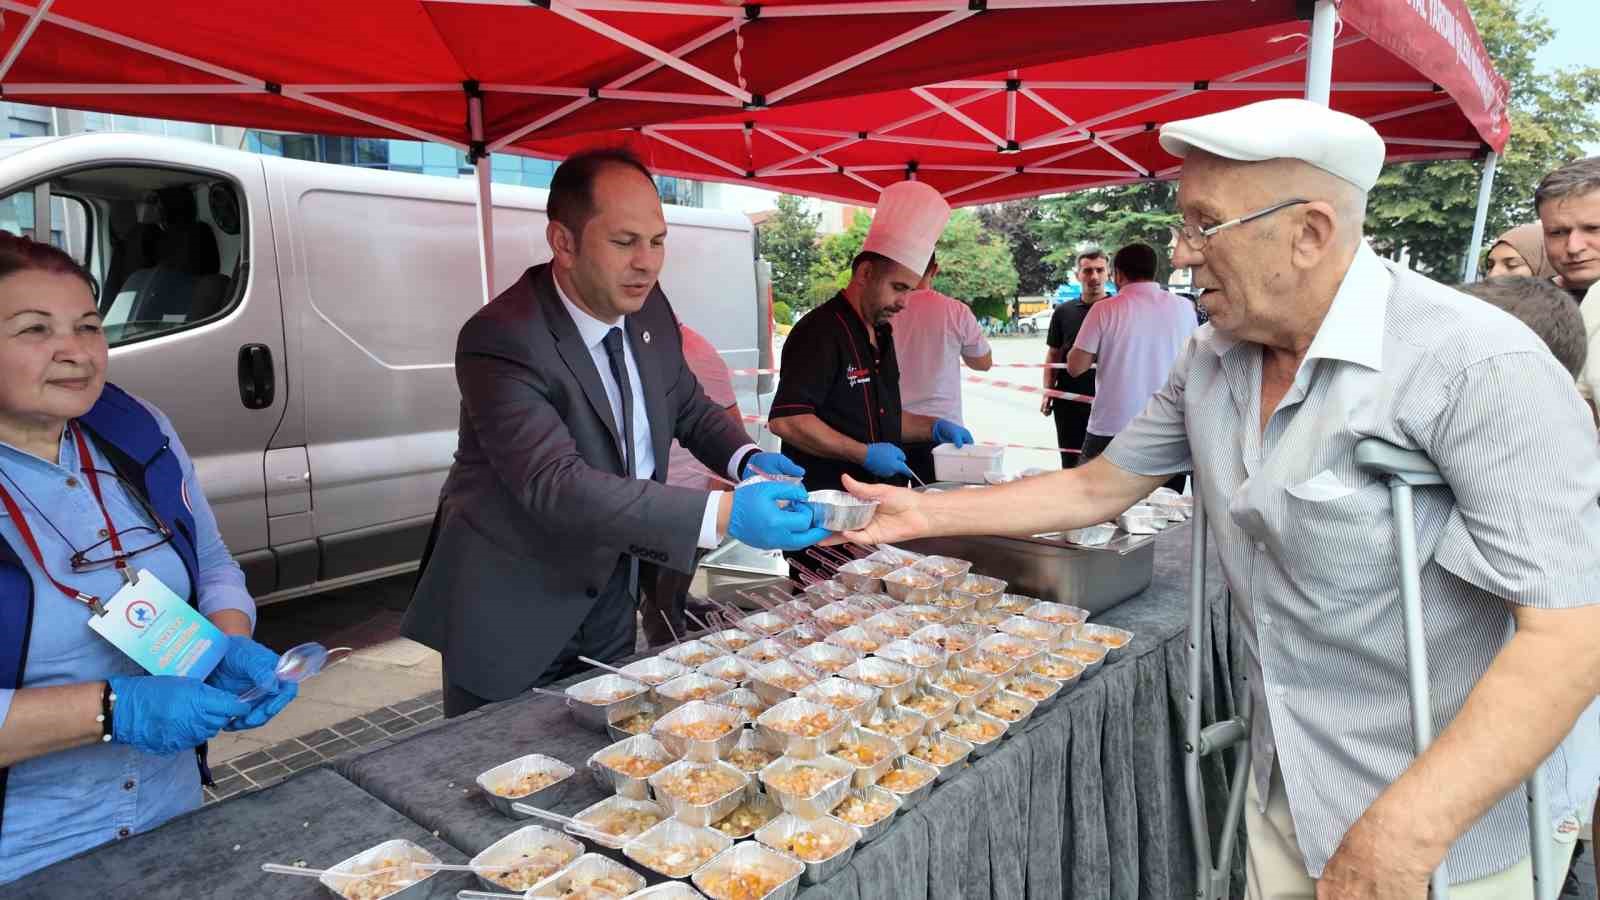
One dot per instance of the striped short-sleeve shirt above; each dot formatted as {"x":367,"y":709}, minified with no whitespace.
{"x":1307,"y":546}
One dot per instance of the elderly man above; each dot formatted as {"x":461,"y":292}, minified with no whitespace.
{"x":1314,"y":343}
{"x":1568,"y":203}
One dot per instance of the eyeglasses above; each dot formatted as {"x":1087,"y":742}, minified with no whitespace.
{"x":1196,"y":237}
{"x":135,"y":540}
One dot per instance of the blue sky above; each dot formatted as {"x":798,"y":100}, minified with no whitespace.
{"x":1577,"y":33}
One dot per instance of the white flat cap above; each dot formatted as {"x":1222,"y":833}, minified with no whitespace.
{"x":1335,"y":142}
{"x":911,"y":215}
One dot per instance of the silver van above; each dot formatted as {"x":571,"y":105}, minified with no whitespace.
{"x":297,"y":321}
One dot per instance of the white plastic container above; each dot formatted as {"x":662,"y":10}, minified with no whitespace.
{"x":972,"y":464}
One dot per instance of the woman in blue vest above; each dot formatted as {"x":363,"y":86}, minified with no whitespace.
{"x":96,"y":496}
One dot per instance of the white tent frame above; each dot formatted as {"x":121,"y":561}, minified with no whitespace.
{"x":1074,"y":135}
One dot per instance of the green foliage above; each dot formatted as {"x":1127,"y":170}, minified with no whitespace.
{"x":974,"y":264}
{"x":782,"y":313}
{"x":1109,"y":218}
{"x":836,"y":253}
{"x":1017,"y":221}
{"x":1427,"y":208}
{"x":788,"y":241}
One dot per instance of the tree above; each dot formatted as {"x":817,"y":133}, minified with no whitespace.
{"x":1109,"y":218}
{"x":1017,"y":221}
{"x":788,"y":241}
{"x":974,"y":265}
{"x":782,"y":313}
{"x":1427,"y":208}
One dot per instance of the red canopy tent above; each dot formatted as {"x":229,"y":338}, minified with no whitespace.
{"x":986,"y":99}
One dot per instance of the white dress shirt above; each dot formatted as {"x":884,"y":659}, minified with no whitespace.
{"x":931,"y":335}
{"x":1135,"y":336}
{"x":593,"y":331}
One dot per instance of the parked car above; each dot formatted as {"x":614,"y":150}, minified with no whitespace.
{"x":297,"y":321}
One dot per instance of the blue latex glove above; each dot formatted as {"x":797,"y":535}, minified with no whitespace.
{"x":771,"y":464}
{"x":759,"y":521}
{"x":248,"y":664}
{"x":886,"y":461}
{"x":948,"y":432}
{"x":167,"y":714}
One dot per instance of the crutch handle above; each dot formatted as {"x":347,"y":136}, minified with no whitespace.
{"x":1412,"y":467}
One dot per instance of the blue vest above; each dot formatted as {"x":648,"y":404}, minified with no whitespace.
{"x":129,"y":436}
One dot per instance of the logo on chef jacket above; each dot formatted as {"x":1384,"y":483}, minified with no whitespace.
{"x":140,"y":614}
{"x":857,"y":375}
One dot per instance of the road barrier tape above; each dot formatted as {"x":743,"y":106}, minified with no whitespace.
{"x":760,"y":420}
{"x":995,"y":366}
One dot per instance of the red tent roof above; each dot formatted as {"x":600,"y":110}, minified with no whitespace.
{"x":777,"y":94}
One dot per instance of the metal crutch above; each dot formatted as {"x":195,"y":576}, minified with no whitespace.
{"x":1404,"y":470}
{"x":1211,"y":875}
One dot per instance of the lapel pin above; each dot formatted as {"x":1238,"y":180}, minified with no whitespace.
{"x":646,"y":337}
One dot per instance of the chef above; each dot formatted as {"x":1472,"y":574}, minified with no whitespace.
{"x":837,"y":409}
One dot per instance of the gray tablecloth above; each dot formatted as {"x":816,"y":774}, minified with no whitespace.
{"x":217,"y":851}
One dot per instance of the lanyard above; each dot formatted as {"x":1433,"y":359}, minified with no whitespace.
{"x":87,"y":462}
{"x":15,"y":512}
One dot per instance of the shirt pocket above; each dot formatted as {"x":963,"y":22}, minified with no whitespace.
{"x":1339,"y":537}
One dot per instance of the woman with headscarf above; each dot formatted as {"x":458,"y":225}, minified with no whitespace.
{"x":1520,"y":251}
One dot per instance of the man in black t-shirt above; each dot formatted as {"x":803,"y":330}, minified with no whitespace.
{"x":1072,"y":417}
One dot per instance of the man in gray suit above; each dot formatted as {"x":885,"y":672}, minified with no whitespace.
{"x":573,"y":385}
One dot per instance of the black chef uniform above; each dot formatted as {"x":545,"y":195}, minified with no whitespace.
{"x":831,"y":370}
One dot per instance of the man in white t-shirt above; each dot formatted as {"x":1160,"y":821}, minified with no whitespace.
{"x":665,"y":590}
{"x":1132,"y":339}
{"x":933,"y":335}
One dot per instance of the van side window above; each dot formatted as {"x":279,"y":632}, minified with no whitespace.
{"x":166,"y":247}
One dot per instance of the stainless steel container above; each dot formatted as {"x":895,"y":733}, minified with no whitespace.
{"x":1051,"y":568}
{"x":883,"y":751}
{"x":603,"y":766}
{"x":666,"y":731}
{"x":779,"y":680}
{"x":835,"y":783}
{"x":690,"y":687}
{"x":959,"y":749}
{"x":529,"y":852}
{"x":894,"y":681}
{"x":840,"y":511}
{"x":901,"y":725}
{"x":673,"y":849}
{"x":915,"y":768}
{"x":1115,"y":640}
{"x":596,"y":815}
{"x":778,"y":833}
{"x":857,"y":701}
{"x":693,"y":654}
{"x":771,"y":727}
{"x":912,"y":585}
{"x":875,"y":829}
{"x":504,"y":777}
{"x":751,"y":854}
{"x":341,"y":877}
{"x":587,"y":866}
{"x":664,"y":784}
{"x":599,"y":701}
{"x":863,"y":576}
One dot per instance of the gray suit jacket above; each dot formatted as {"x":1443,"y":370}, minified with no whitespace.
{"x":537,"y":509}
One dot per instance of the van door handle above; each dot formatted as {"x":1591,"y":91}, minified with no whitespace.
{"x":257,"y":386}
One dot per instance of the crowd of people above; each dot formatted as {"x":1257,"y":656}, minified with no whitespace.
{"x":601,"y":452}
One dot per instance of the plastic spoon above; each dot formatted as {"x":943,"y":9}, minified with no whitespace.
{"x":488,"y":895}
{"x":582,"y":828}
{"x":299,"y":663}
{"x":452,"y":867}
{"x":281,"y":869}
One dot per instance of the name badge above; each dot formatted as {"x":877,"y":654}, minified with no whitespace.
{"x":160,"y":632}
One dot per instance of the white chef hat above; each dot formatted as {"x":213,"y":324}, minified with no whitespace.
{"x":1286,"y":128}
{"x":911,"y":216}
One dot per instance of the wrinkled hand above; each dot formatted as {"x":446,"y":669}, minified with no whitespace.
{"x":247,"y":665}
{"x":948,"y":432}
{"x":163,"y":715}
{"x":758,"y":520}
{"x":886,"y":461}
{"x":771,"y":464}
{"x":1045,"y":406}
{"x":1371,"y":866}
{"x":899,"y":515}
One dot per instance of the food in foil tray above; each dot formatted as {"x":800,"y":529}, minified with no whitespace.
{"x":1084,"y":655}
{"x":938,"y":753}
{"x":1111,"y":640}
{"x":745,"y":819}
{"x":699,"y":785}
{"x":1002,"y":707}
{"x":746,"y":882}
{"x":638,"y":723}
{"x":927,"y":615}
{"x":863,"y":809}
{"x":1032,"y":690}
{"x":526,"y":784}
{"x":1014,"y":649}
{"x":862,"y":754}
{"x":860,"y":642}
{"x":951,"y":682}
{"x":813,"y":725}
{"x":675,"y":860}
{"x":702,"y":730}
{"x":622,"y":822}
{"x":750,"y":759}
{"x":1057,"y":668}
{"x":802,"y":780}
{"x":904,"y":781}
{"x":989,"y":663}
{"x":949,"y":641}
{"x":765,"y":652}
{"x":812,"y":846}
{"x":530,"y":867}
{"x":893,"y":626}
{"x":929,"y":705}
{"x":895,"y":726}
{"x":382,"y":884}
{"x":596,"y":886}
{"x":975,"y":730}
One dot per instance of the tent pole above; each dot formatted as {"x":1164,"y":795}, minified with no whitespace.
{"x":1469,"y":269}
{"x":1319,"y":62}
{"x":480,"y":161}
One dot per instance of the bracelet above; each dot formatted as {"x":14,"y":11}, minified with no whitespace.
{"x":108,"y":701}
{"x":738,"y":470}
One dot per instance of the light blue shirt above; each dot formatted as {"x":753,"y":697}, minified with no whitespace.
{"x":64,"y":803}
{"x":593,"y":331}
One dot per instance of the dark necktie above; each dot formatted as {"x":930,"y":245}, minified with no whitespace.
{"x":619,"y":371}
